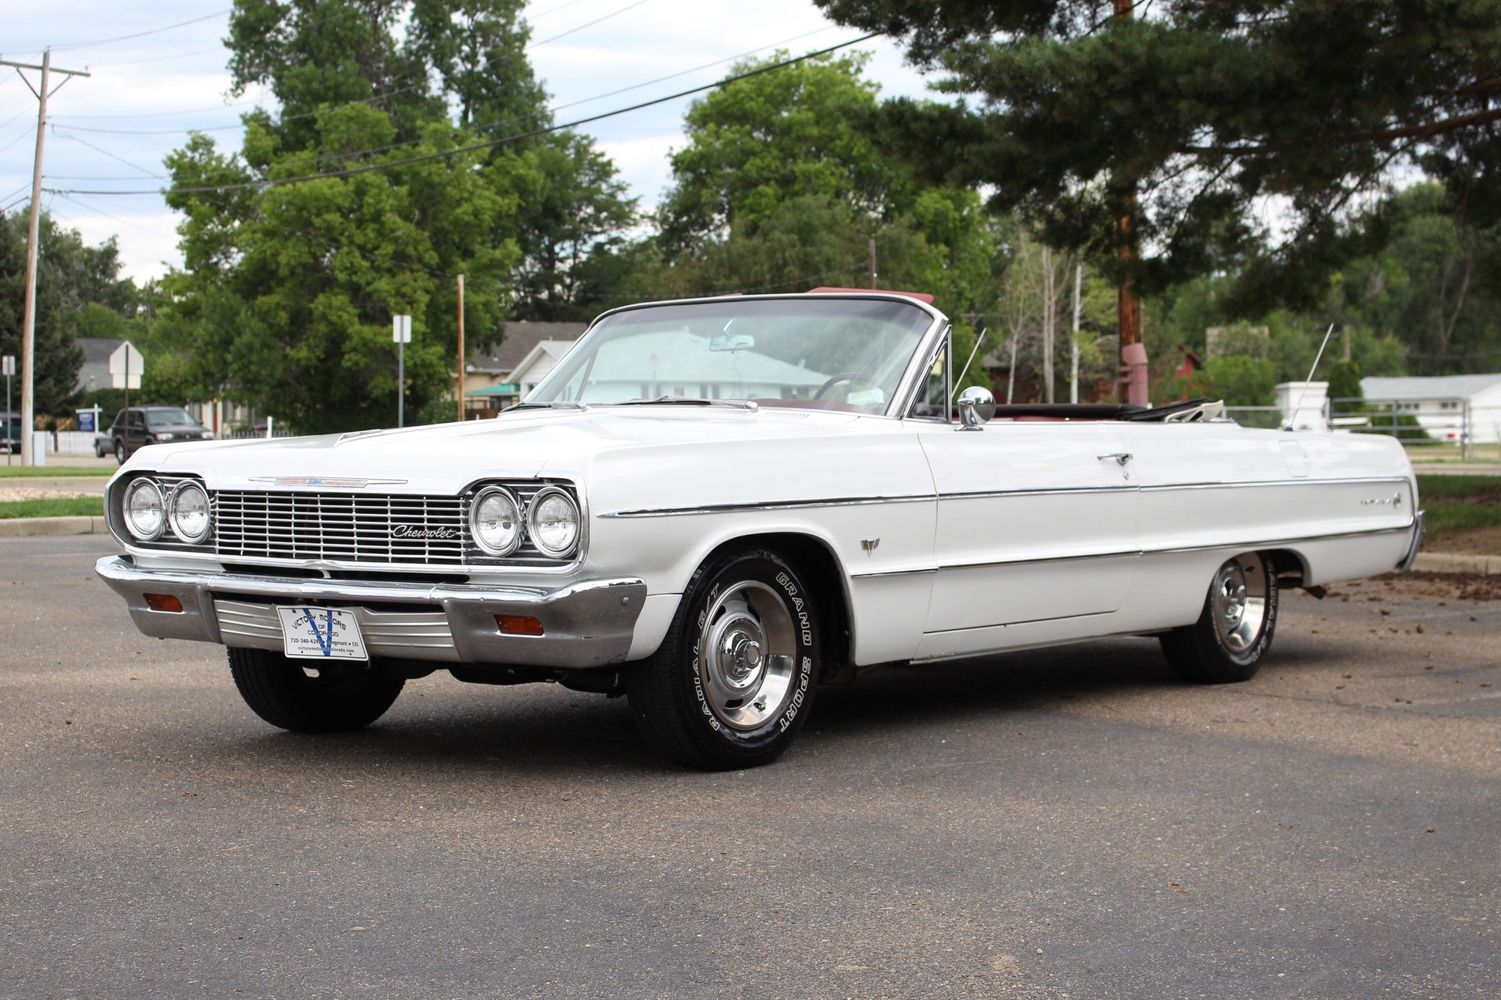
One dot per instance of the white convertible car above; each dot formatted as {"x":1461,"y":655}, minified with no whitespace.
{"x":713,"y":506}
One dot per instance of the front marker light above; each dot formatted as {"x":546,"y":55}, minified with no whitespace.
{"x":552,"y":520}
{"x":495,"y":521}
{"x":145,"y":509}
{"x":189,"y":513}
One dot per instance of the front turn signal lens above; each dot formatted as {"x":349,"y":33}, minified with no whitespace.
{"x":519,"y":624}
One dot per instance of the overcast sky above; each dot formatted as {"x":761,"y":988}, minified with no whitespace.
{"x":110,"y":131}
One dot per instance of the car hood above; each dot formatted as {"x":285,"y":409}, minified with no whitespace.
{"x":445,"y":458}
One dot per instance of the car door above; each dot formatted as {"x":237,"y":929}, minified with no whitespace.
{"x":1036,"y":523}
{"x":135,"y":430}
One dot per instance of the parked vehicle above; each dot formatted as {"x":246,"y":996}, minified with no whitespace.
{"x":139,"y":426}
{"x":714,"y":506}
{"x":10,"y":433}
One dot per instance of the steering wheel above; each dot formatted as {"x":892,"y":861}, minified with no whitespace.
{"x":834,"y":380}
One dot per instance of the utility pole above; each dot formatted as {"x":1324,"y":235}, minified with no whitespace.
{"x":872,"y":263}
{"x":1049,"y":322}
{"x":1073,"y":378}
{"x":461,"y":348}
{"x":1133,"y":353}
{"x":28,"y":314}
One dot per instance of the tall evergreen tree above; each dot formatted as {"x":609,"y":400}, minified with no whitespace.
{"x":1213,"y":116}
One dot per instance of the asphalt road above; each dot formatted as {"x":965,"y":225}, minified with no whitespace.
{"x":1057,"y":824}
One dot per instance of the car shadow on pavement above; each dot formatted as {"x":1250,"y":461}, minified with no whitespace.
{"x":442,"y":728}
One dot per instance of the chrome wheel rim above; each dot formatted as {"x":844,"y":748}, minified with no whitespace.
{"x":1238,"y":602}
{"x":745,"y":655}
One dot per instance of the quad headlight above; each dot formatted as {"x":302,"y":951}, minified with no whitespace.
{"x":189,"y":513}
{"x":552,"y":520}
{"x":495,"y":521}
{"x":144,"y":509}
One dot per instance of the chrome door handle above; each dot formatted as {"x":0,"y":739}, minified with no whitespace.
{"x":1121,"y":457}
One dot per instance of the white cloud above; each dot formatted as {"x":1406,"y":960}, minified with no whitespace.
{"x":184,"y":68}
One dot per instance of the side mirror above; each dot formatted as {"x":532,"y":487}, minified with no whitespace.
{"x":976,"y":406}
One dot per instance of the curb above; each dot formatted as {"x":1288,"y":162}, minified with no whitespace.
{"x":1443,"y":562}
{"x":30,"y":527}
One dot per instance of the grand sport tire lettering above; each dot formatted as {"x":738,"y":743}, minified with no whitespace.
{"x":735,"y":677}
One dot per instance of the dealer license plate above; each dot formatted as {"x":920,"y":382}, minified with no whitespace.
{"x":310,"y":633}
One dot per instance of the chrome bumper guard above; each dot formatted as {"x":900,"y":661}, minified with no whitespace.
{"x":584,"y":625}
{"x":1417,"y":543}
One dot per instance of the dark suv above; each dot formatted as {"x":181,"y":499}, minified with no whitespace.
{"x":139,"y":426}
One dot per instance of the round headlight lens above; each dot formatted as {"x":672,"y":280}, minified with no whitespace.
{"x":495,"y":522}
{"x":145,"y":509}
{"x":553,"y":521}
{"x":189,"y":514}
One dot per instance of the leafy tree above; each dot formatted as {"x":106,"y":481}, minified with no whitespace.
{"x":1190,"y":115}
{"x":79,"y":292}
{"x":756,"y":143}
{"x":291,"y":282}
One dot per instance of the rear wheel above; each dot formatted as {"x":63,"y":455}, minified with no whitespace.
{"x":120,"y":455}
{"x":734,"y":679}
{"x":328,"y":698}
{"x":1234,"y":631}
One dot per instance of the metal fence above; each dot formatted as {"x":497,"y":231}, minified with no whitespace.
{"x":1440,"y":421}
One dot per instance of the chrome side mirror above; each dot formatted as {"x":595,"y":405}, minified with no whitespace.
{"x":976,"y":405}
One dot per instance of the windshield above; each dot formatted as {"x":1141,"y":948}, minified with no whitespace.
{"x":170,"y":418}
{"x":818,"y":351}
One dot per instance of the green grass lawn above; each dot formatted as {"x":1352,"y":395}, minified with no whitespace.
{"x":19,"y":471}
{"x":1460,"y":503}
{"x":75,"y":507}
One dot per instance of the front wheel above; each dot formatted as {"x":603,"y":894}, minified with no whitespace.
{"x":734,"y":679}
{"x":120,"y":455}
{"x":328,"y":698}
{"x":1234,"y":631}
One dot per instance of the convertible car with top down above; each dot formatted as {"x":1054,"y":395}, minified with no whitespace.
{"x":714,"y":506}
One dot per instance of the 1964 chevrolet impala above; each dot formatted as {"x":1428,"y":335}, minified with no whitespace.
{"x":713,"y":506}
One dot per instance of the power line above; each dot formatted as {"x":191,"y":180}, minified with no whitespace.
{"x":687,"y":72}
{"x":487,"y":144}
{"x":109,"y":215}
{"x":96,"y":43}
{"x":588,"y":24}
{"x":112,"y":156}
{"x":554,"y":10}
{"x":157,"y":59}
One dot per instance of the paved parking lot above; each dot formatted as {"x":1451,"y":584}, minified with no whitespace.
{"x":1049,"y":824}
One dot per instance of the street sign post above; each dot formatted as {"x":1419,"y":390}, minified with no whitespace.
{"x":8,"y":367}
{"x":401,"y":336}
{"x":126,"y":366}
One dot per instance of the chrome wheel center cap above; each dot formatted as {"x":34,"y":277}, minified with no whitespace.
{"x":740,"y":658}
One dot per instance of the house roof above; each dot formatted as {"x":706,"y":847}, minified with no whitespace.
{"x":1428,"y":386}
{"x":519,"y":339}
{"x":96,"y":352}
{"x":550,"y":349}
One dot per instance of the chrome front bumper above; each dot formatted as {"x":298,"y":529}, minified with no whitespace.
{"x":584,"y":625}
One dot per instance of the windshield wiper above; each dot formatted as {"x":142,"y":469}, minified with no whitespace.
{"x":553,"y":404}
{"x":738,"y":404}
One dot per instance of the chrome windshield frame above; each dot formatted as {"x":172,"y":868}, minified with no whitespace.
{"x":896,"y":406}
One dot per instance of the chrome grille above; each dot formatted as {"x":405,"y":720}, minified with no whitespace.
{"x":428,"y":530}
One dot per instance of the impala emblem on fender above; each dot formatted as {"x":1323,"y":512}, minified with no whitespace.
{"x":869,"y":544}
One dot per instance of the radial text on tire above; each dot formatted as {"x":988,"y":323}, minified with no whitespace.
{"x":734,"y":679}
{"x":1234,"y":631}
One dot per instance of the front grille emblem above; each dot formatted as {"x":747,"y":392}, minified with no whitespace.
{"x":441,"y":532}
